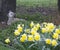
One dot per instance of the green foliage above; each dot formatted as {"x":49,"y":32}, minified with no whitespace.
{"x":40,"y":3}
{"x":35,"y":17}
{"x":2,"y":47}
{"x":17,"y":45}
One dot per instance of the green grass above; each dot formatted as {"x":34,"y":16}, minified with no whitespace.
{"x":35,"y":17}
{"x":4,"y":48}
{"x":41,"y":3}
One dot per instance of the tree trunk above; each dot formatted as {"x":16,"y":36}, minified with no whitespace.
{"x":57,"y":20}
{"x":5,"y":7}
{"x":59,"y":6}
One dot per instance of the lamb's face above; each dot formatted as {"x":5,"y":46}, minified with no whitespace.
{"x":11,"y":14}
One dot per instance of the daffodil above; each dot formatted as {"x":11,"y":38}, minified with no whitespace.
{"x":31,"y":24}
{"x":37,"y":25}
{"x":30,"y":38}
{"x":27,"y":30}
{"x":54,"y":43}
{"x":57,"y":31}
{"x":33,"y":32}
{"x":7,"y":40}
{"x":35,"y":28}
{"x":55,"y":36}
{"x":37,"y":37}
{"x":48,"y":41}
{"x":48,"y":29}
{"x":23,"y":38}
{"x":51,"y":25}
{"x":44,"y":30}
{"x":16,"y":33}
{"x":19,"y":28}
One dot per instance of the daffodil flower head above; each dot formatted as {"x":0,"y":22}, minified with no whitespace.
{"x":57,"y":31}
{"x":31,"y":24}
{"x":37,"y":25}
{"x":44,"y":30}
{"x":51,"y":25}
{"x":55,"y":36}
{"x":54,"y":43}
{"x":7,"y":40}
{"x":48,"y":41}
{"x":35,"y":28}
{"x":19,"y":28}
{"x":36,"y":37}
{"x":24,"y":36}
{"x":30,"y":38}
{"x":22,"y":40}
{"x":27,"y":30}
{"x":16,"y":33}
{"x":33,"y":32}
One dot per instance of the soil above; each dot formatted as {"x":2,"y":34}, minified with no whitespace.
{"x":33,"y":10}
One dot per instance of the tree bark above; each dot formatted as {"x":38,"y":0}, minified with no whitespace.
{"x":59,"y":6}
{"x":5,"y":7}
{"x":57,"y":20}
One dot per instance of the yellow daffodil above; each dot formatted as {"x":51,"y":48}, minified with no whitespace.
{"x":35,"y":28}
{"x":20,"y":29}
{"x":51,"y":25}
{"x":7,"y":40}
{"x":48,"y":29}
{"x":37,"y":25}
{"x":55,"y":36}
{"x":37,"y":37}
{"x":57,"y":31}
{"x":27,"y":30}
{"x":54,"y":43}
{"x":16,"y":33}
{"x":33,"y":32}
{"x":31,"y":24}
{"x":48,"y":41}
{"x":44,"y":30}
{"x":30,"y":38}
{"x":23,"y":38}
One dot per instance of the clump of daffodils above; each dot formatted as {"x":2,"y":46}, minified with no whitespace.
{"x":36,"y":32}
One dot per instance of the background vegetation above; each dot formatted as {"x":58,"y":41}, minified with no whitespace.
{"x":40,"y":3}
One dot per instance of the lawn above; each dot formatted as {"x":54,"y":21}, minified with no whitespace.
{"x":36,"y":9}
{"x":41,"y":3}
{"x":4,"y":48}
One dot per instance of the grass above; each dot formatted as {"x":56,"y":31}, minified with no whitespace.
{"x":41,"y":3}
{"x":4,"y":48}
{"x":35,"y":17}
{"x":8,"y":32}
{"x":27,"y":4}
